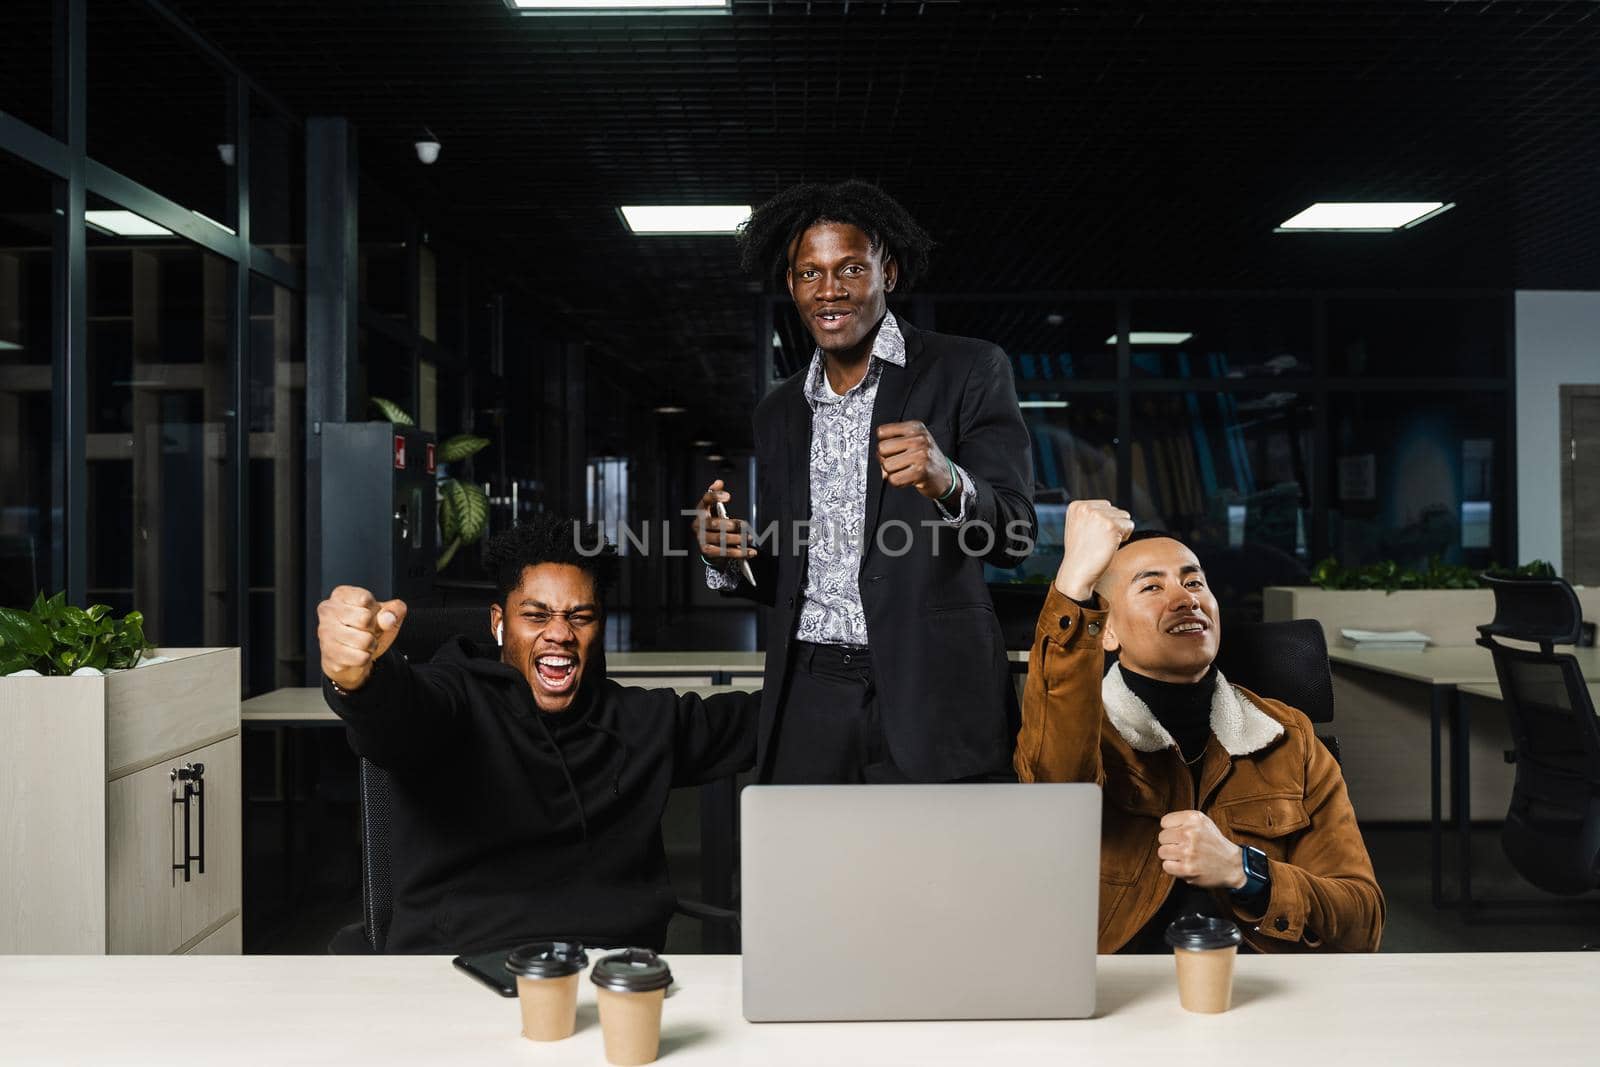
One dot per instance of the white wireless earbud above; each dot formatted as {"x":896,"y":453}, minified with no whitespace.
{"x":500,"y":634}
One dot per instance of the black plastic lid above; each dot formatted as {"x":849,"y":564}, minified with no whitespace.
{"x":633,"y":970}
{"x":1197,"y":933}
{"x":547,"y":959}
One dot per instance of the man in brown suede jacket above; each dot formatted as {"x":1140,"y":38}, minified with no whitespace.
{"x":1216,"y":800}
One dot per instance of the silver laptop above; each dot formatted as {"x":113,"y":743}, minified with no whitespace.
{"x":919,"y":901}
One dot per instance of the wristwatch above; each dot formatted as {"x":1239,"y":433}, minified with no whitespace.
{"x":1257,"y":877}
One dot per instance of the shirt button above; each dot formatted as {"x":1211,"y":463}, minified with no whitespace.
{"x":1280,"y":924}
{"x":1094,"y":629}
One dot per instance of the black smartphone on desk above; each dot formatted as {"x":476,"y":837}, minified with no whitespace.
{"x":490,"y":969}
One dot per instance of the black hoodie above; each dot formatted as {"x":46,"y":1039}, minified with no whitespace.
{"x":511,"y":824}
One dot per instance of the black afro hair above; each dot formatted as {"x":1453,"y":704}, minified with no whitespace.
{"x":766,"y":235}
{"x":550,"y":538}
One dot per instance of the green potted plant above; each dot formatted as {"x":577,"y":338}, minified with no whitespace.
{"x":56,"y":638}
{"x":1445,"y":601}
{"x":463,"y":507}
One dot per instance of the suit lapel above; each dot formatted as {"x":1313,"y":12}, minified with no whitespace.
{"x":797,"y":435}
{"x":894,"y":390}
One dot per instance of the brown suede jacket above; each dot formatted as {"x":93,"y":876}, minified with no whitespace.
{"x":1265,"y":780}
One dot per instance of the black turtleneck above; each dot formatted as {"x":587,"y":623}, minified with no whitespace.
{"x":1182,"y":708}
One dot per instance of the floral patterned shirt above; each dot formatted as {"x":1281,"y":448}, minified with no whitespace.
{"x":841,"y":447}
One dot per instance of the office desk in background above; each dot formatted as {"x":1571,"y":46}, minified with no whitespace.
{"x":1461,"y":1009}
{"x":1445,"y":671}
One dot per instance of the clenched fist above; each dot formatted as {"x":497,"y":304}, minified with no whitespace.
{"x":1095,"y":530}
{"x":353,"y":630}
{"x":908,"y":455}
{"x":1193,"y":849}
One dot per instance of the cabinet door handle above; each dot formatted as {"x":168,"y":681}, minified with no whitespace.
{"x":192,"y":776}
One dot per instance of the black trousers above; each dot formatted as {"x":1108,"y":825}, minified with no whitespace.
{"x":828,"y":731}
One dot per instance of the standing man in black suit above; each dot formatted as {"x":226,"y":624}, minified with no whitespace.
{"x":889,"y":470}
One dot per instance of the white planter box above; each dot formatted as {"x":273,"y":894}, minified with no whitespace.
{"x":1448,"y":616}
{"x":89,"y":833}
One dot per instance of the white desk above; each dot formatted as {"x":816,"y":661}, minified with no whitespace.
{"x":1491,"y":691}
{"x":1459,"y":1009}
{"x":1445,"y":664}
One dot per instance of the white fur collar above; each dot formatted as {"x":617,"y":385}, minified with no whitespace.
{"x":1240,"y":726}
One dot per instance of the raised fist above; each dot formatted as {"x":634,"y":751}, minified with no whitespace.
{"x":353,"y":630}
{"x":1095,"y":530}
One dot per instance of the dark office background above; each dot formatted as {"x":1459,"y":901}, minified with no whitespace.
{"x":1090,"y":171}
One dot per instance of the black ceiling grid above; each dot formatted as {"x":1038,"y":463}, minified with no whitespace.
{"x":1094,"y":145}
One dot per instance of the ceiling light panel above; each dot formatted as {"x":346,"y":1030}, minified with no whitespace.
{"x":1362,"y":217}
{"x":659,"y":220}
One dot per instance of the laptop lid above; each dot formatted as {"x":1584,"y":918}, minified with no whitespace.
{"x":919,"y":901}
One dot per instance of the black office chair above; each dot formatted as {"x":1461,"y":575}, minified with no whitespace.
{"x":424,"y":631}
{"x":1286,"y":661}
{"x":1552,"y":829}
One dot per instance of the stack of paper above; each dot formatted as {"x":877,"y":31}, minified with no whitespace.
{"x":1386,"y":640}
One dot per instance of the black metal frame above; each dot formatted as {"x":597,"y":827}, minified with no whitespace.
{"x":62,"y":152}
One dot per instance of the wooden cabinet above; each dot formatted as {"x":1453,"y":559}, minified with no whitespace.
{"x":100,"y":778}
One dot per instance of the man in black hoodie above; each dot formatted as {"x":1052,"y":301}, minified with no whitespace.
{"x":528,"y":788}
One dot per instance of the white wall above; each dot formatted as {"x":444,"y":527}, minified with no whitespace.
{"x":1558,"y":343}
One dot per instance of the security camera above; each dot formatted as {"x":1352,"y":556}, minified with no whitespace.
{"x":427,"y":150}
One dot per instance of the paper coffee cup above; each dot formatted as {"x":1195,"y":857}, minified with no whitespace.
{"x":630,"y":987}
{"x":547,"y":987}
{"x":1204,"y":949}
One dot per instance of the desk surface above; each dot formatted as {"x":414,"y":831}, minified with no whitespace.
{"x":1445,"y":665}
{"x":286,"y":706}
{"x":1491,"y":691}
{"x":1461,"y":1009}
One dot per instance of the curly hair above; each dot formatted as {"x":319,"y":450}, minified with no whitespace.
{"x":765,"y":237}
{"x":550,"y":539}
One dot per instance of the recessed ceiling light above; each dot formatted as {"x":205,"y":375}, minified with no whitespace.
{"x":1356,"y":217}
{"x":701,"y":444}
{"x":670,"y":409}
{"x":1043,"y":403}
{"x":714,"y":457}
{"x":652,"y":220}
{"x":124,"y":224}
{"x":10,"y":346}
{"x":1153,"y":337}
{"x":616,"y":7}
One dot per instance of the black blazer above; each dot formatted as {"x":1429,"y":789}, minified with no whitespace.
{"x":939,"y":662}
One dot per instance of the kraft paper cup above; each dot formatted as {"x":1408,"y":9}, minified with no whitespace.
{"x":547,"y":987}
{"x":630,"y":987}
{"x":1204,"y":949}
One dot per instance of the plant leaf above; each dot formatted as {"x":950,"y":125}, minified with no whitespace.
{"x":22,"y":634}
{"x":474,"y":513}
{"x":447,"y":555}
{"x":461,"y":446}
{"x":392,"y":411}
{"x":450,"y":507}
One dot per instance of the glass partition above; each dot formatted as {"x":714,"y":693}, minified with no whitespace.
{"x":29,"y":262}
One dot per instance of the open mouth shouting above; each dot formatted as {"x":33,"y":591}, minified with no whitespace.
{"x":557,"y":672}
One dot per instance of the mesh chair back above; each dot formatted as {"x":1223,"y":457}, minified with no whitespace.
{"x":1286,"y":661}
{"x":1543,"y":610}
{"x":377,"y":879}
{"x":1552,"y":828}
{"x":426,"y":629}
